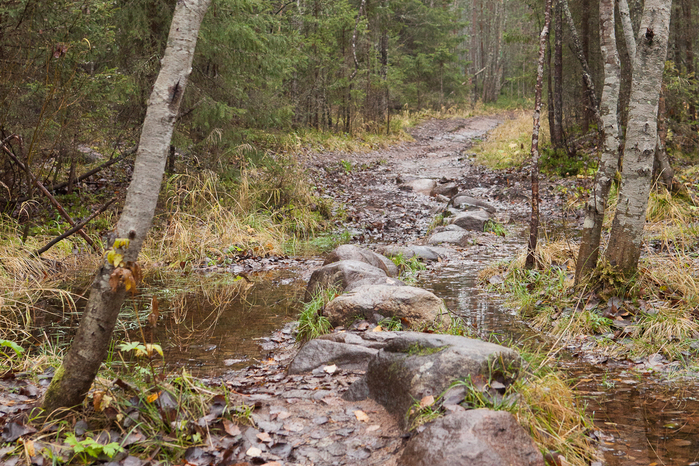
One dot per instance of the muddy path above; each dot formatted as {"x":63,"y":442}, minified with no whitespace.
{"x":304,"y":416}
{"x":641,"y":418}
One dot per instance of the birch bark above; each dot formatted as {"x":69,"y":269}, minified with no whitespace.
{"x":626,"y":236}
{"x":89,"y":348}
{"x":609,"y":159}
{"x":534,"y":220}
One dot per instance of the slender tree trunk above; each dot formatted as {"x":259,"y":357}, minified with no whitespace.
{"x":689,"y":52}
{"x":557,"y":129}
{"x":626,"y":236}
{"x":89,"y":348}
{"x":665,"y":171}
{"x":627,"y":26}
{"x":582,"y":57}
{"x":609,"y":159}
{"x":585,"y":32}
{"x":534,"y":221}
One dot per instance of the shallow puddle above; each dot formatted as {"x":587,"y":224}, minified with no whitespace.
{"x":216,"y":328}
{"x":639,"y":420}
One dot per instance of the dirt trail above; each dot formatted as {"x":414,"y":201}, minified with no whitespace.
{"x":304,"y":415}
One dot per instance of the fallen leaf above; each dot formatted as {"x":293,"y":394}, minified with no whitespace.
{"x":152,"y":397}
{"x":377,"y":329}
{"x":97,"y":401}
{"x":362,"y":416}
{"x":330,"y":369}
{"x":264,"y":437}
{"x":252,"y":451}
{"x":426,"y":401}
{"x":230,"y":428}
{"x":29,"y":448}
{"x":373,"y":428}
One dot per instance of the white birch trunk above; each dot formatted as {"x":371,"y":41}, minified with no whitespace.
{"x":626,"y":236}
{"x":89,"y":348}
{"x":609,"y":159}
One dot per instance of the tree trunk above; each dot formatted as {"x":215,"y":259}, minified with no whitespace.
{"x":689,"y":53}
{"x":627,"y":26}
{"x":557,"y":130}
{"x":609,"y":159}
{"x":534,"y":221}
{"x":74,"y":378}
{"x":580,"y":53}
{"x":585,"y":32}
{"x":626,"y":236}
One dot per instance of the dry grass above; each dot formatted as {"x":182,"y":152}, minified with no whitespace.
{"x":554,"y":417}
{"x":509,"y":145}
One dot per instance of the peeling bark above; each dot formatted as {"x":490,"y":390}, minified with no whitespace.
{"x":89,"y":348}
{"x":626,"y":236}
{"x":609,"y":159}
{"x":534,"y":221}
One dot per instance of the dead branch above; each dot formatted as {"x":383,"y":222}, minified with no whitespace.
{"x":73,"y":230}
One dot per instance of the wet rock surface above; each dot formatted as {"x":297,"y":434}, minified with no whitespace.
{"x":479,"y":437}
{"x":340,"y":275}
{"x":355,"y":253}
{"x":415,"y":365}
{"x":415,"y":307}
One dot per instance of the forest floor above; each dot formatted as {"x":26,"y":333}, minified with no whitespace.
{"x":302,"y":419}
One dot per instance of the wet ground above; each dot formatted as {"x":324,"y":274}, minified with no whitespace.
{"x":640,"y":417}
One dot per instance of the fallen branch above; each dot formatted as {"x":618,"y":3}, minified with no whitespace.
{"x":43,"y":189}
{"x":78,"y":179}
{"x":77,"y":227}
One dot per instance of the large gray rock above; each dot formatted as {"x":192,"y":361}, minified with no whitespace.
{"x":422,"y":252}
{"x":422,"y":186}
{"x":349,"y":351}
{"x":445,"y":189}
{"x":414,"y":365}
{"x":478,"y":437}
{"x":388,"y":281}
{"x":414,"y":306}
{"x":465,"y":202}
{"x":457,"y":238}
{"x":473,"y":220}
{"x":321,"y":352}
{"x":341,"y":275}
{"x":355,"y":253}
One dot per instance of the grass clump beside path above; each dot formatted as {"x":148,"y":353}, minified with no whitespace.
{"x":541,"y":401}
{"x":652,"y":312}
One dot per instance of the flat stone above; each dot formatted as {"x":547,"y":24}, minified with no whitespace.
{"x":422,"y":252}
{"x":413,"y":305}
{"x":473,"y":220}
{"x":414,"y":365}
{"x":321,"y":352}
{"x":388,"y":281}
{"x":422,"y":186}
{"x":462,"y":201}
{"x":478,"y":437}
{"x":352,"y":252}
{"x":341,"y":275}
{"x":445,"y":189}
{"x":458,"y":238}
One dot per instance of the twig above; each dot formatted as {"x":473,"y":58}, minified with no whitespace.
{"x":78,"y":179}
{"x":53,"y":200}
{"x":75,"y":228}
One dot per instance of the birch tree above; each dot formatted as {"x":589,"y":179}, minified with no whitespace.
{"x":609,"y":158}
{"x":626,"y":235}
{"x":534,"y":220}
{"x":119,"y":270}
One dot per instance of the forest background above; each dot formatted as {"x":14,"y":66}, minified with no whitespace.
{"x":270,"y":80}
